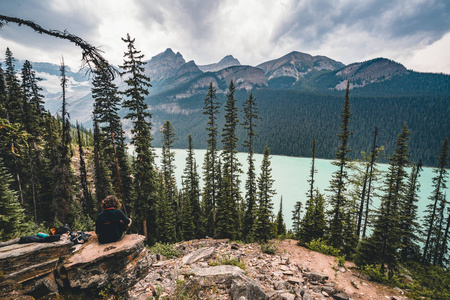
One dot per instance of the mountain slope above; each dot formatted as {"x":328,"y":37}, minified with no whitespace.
{"x":285,"y":71}
{"x":227,"y":61}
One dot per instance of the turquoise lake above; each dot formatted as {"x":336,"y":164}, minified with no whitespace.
{"x":291,"y":175}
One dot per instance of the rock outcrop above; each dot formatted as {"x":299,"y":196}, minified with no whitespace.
{"x":208,"y":270}
{"x":39,"y":269}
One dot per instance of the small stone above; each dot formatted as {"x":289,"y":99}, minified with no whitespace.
{"x":325,"y":294}
{"x":328,"y":289}
{"x":295,"y":280}
{"x":234,"y":246}
{"x":342,"y":270}
{"x":279,"y":285}
{"x":341,"y":296}
{"x":287,"y":296}
{"x":288,"y":273}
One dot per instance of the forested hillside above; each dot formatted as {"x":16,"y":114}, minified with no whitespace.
{"x":291,"y":119}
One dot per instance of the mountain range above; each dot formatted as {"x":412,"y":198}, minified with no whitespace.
{"x":282,"y":85}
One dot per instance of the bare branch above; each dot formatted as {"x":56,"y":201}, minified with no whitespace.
{"x":91,"y":56}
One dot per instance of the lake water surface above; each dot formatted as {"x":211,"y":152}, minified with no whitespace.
{"x":291,"y":175}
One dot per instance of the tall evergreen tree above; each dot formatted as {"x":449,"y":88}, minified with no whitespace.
{"x":279,"y":221}
{"x":11,"y":213}
{"x":338,"y":183}
{"x":437,"y":197}
{"x":313,"y":223}
{"x":250,"y":117}
{"x":143,"y":165}
{"x":367,"y":181}
{"x":87,"y":202}
{"x":443,"y":252}
{"x":102,"y":179}
{"x":106,"y":107}
{"x":264,"y":214}
{"x":409,"y":226}
{"x":168,"y":170}
{"x":231,"y":165}
{"x":13,"y":113}
{"x":33,"y":120}
{"x":312,"y":172}
{"x":210,"y":166}
{"x":296,"y":218}
{"x":63,"y":177}
{"x":191,"y":190}
{"x":385,"y":241}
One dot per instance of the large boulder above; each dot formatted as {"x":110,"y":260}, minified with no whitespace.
{"x":95,"y":266}
{"x":227,"y":277}
{"x":40,"y":269}
{"x":200,"y":254}
{"x":31,"y":266}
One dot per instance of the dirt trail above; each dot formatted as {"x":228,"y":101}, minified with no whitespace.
{"x":346,"y":279}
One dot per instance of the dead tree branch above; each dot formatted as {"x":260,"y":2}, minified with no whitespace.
{"x":91,"y":56}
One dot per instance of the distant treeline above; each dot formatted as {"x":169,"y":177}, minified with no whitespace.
{"x":289,"y":120}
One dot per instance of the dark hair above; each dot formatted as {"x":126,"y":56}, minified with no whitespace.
{"x":110,"y":201}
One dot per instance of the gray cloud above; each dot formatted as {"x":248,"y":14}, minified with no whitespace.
{"x":251,"y":30}
{"x":311,"y":22}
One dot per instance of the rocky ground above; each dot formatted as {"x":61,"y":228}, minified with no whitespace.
{"x":293,"y":272}
{"x":207,"y":269}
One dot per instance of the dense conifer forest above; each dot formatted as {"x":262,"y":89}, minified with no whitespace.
{"x":53,"y":172}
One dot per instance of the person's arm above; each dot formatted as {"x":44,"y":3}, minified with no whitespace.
{"x":123,"y":218}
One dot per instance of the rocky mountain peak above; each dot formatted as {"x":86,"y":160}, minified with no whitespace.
{"x":375,"y":70}
{"x":227,"y":61}
{"x":297,"y":64}
{"x":164,"y":65}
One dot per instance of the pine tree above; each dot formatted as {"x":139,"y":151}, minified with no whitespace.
{"x":409,"y":226}
{"x":281,"y":227}
{"x":443,"y":252}
{"x":168,"y":170}
{"x":33,"y":120}
{"x":338,"y":183}
{"x":296,"y":218}
{"x":385,"y":240}
{"x":250,"y":116}
{"x":367,"y":181}
{"x":210,"y":166}
{"x":263,"y":224}
{"x":143,"y":165}
{"x":106,"y":107}
{"x":191,"y":190}
{"x":13,"y":113}
{"x":62,"y":188}
{"x":313,"y":224}
{"x":11,"y":213}
{"x":13,"y":105}
{"x":87,"y":202}
{"x":435,"y":212}
{"x":231,"y":165}
{"x":102,"y":179}
{"x":312,"y":172}
{"x":437,"y":197}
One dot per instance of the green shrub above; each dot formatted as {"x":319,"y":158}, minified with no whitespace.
{"x":226,"y":260}
{"x":166,"y":250}
{"x":269,"y":248}
{"x":105,"y":292}
{"x":320,"y":246}
{"x":374,"y":273}
{"x":340,"y":260}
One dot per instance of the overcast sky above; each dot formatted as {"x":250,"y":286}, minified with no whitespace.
{"x":415,"y":33}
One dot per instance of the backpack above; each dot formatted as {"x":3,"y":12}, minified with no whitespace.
{"x":108,"y":227}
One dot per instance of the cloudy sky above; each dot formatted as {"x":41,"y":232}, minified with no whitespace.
{"x":415,"y":33}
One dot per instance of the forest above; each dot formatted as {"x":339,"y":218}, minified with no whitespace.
{"x":53,"y":172}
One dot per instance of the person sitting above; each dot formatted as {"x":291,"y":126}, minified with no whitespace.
{"x":111,"y":223}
